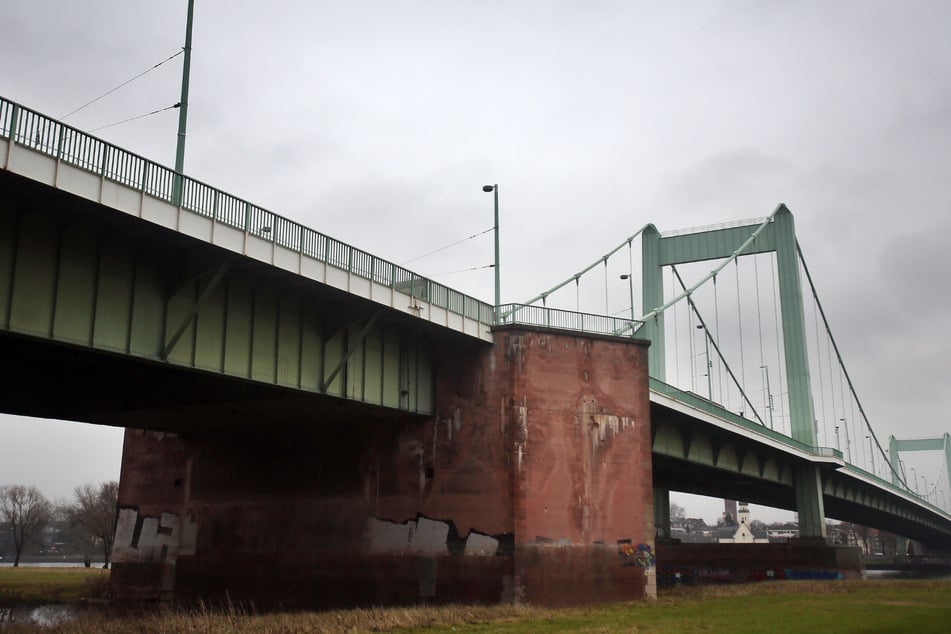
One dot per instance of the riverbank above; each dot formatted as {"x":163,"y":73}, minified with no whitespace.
{"x":33,"y":585}
{"x":921,"y":606}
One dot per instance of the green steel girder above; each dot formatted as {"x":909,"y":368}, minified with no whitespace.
{"x":193,"y":313}
{"x":701,"y":447}
{"x":72,"y":274}
{"x":777,"y":234}
{"x":352,"y":346}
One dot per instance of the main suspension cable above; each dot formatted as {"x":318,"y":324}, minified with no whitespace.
{"x":726,"y":365}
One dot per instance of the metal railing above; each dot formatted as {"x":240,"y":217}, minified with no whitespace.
{"x":532,"y":315}
{"x":704,"y":405}
{"x":43,"y":134}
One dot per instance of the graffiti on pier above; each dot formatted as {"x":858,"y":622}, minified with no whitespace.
{"x":149,"y":538}
{"x":427,"y":536}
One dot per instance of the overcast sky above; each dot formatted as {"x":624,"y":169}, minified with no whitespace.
{"x":378,"y":123}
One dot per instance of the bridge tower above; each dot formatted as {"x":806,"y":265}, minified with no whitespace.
{"x":896,"y":446}
{"x":777,"y":234}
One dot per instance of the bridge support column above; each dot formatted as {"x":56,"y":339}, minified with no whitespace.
{"x":661,"y":513}
{"x":809,"y":505}
{"x":532,"y":482}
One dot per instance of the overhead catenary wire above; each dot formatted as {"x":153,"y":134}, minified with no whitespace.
{"x":448,"y":246}
{"x":141,"y":116}
{"x":473,"y":268}
{"x":125,"y":83}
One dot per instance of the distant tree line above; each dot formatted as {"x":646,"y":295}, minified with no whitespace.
{"x":84,"y":526}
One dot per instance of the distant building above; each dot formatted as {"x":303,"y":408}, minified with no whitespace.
{"x":729,"y":513}
{"x":744,"y":533}
{"x":781,"y":533}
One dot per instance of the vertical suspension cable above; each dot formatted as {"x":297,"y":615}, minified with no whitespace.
{"x":759,"y":328}
{"x":822,"y":392}
{"x":716,"y":317}
{"x":835,"y":415}
{"x":693,"y":351}
{"x":888,"y":467}
{"x":848,"y":421}
{"x":739,"y":322}
{"x":676,"y":335}
{"x":861,"y":437}
{"x":780,"y":351}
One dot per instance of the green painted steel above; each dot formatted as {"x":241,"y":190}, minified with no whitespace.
{"x":574,"y":278}
{"x":775,"y":234}
{"x":67,"y":281}
{"x":43,"y":134}
{"x":810,"y":506}
{"x":183,"y":102}
{"x":896,"y":446}
{"x":749,"y":426}
{"x":652,"y":294}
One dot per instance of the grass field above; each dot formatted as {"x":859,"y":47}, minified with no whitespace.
{"x":785,"y":606}
{"x":27,"y":585}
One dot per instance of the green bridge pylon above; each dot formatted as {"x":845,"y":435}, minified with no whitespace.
{"x":896,"y":446}
{"x":776,"y":234}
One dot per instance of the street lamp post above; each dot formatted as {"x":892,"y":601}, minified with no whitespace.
{"x":837,"y":438}
{"x":848,"y":441}
{"x":630,"y":284}
{"x":498,"y":302}
{"x":183,"y":107}
{"x":769,"y":396}
{"x":706,"y":345}
{"x":871,"y":451}
{"x":914,"y":477}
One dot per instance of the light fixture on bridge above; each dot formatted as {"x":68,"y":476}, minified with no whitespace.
{"x":706,"y":345}
{"x":630,"y":284}
{"x":495,"y":189}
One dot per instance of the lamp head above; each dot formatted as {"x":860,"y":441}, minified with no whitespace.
{"x":488,"y":188}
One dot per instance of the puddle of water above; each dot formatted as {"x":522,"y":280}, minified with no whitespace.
{"x":39,"y":615}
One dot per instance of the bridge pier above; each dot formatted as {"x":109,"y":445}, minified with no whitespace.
{"x":661,"y":513}
{"x":531,"y":483}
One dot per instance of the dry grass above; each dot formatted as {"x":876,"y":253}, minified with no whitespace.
{"x":785,"y":606}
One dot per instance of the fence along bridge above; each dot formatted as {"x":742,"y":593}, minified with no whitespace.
{"x":244,"y":306}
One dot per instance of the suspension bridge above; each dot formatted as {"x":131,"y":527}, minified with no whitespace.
{"x":290,"y":398}
{"x":719,"y":337}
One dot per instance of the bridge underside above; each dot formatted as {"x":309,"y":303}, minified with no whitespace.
{"x":691,"y":457}
{"x":99,"y":310}
{"x":45,"y":379}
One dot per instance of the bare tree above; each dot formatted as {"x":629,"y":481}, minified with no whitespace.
{"x":27,"y":511}
{"x":95,"y":511}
